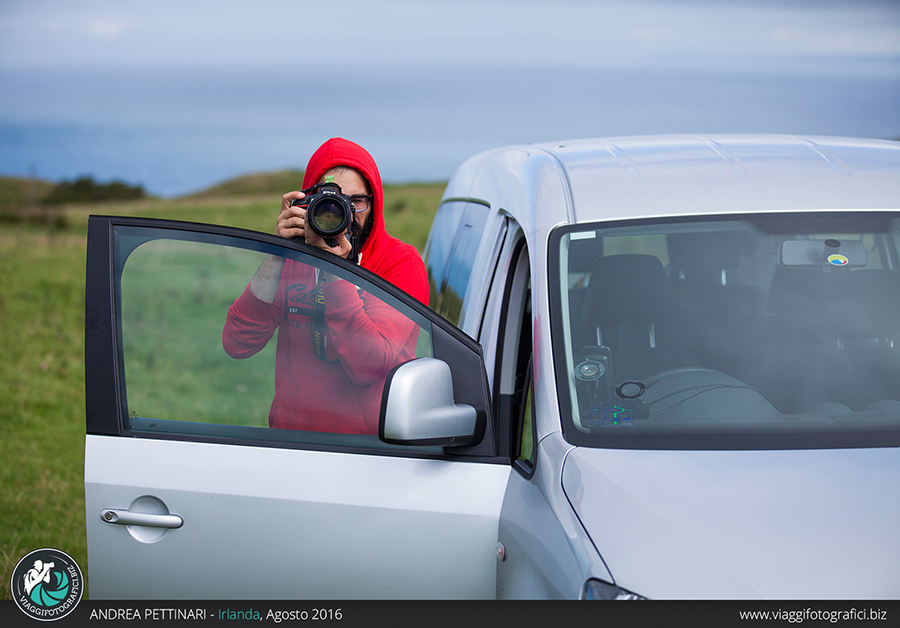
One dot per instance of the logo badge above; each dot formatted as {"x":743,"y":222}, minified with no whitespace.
{"x":838,"y":260}
{"x":47,"y":584}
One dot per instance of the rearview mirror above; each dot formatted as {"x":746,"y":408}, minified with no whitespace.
{"x":417,"y":408}
{"x":850,"y":253}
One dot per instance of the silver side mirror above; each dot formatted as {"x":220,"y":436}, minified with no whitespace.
{"x":418,"y":408}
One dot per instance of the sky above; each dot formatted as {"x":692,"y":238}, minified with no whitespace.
{"x":222,"y":81}
{"x":597,"y":33}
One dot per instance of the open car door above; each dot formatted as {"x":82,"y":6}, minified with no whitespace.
{"x":190,"y":494}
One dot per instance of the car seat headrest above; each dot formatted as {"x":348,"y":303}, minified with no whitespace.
{"x":626,"y":288}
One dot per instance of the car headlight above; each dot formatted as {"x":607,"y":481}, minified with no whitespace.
{"x":598,"y":590}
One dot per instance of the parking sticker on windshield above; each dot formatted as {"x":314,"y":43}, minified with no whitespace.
{"x":607,"y":414}
{"x":624,"y":412}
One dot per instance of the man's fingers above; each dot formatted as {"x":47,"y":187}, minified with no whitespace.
{"x":288,"y":199}
{"x":292,"y":220}
{"x":314,"y":239}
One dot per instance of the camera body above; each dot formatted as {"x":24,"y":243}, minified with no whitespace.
{"x":328,"y":212}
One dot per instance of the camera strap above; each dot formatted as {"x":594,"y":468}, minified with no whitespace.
{"x":354,"y":241}
{"x":317,"y":328}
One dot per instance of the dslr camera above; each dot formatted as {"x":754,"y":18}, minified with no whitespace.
{"x":329,"y":213}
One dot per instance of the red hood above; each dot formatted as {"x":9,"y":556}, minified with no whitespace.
{"x":340,"y":152}
{"x":384,"y":255}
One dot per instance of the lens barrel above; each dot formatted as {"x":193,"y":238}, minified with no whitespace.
{"x":328,"y":216}
{"x":328,"y":212}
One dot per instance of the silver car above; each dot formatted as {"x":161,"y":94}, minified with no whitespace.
{"x":660,"y":367}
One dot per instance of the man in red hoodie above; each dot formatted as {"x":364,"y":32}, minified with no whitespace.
{"x":337,"y":385}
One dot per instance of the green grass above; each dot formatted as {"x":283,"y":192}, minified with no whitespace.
{"x":42,"y":349}
{"x":41,"y":395}
{"x":174,"y":299}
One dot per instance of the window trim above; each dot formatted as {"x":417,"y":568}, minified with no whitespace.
{"x":504,"y":418}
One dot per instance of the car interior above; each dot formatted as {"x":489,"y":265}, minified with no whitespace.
{"x":740,"y":320}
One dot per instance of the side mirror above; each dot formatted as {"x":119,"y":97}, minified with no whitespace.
{"x":417,"y":408}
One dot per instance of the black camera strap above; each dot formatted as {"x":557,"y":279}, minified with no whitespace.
{"x":354,"y":241}
{"x":317,"y":328}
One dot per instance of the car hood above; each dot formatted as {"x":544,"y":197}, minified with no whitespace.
{"x":801,"y":524}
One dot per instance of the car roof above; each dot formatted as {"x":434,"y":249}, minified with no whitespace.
{"x":668,"y":175}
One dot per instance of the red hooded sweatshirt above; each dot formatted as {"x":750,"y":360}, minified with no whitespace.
{"x":365,"y":338}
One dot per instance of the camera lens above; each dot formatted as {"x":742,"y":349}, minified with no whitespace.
{"x":328,"y":217}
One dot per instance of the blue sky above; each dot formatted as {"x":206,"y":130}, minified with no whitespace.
{"x":573,"y":33}
{"x":180,"y":94}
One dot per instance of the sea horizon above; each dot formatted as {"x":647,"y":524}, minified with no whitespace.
{"x":180,"y":131}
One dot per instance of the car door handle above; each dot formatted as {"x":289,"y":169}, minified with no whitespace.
{"x":126,"y":518}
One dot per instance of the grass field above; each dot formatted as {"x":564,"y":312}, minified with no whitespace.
{"x":42,"y":257}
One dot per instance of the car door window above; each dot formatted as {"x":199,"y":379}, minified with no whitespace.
{"x":439,"y":245}
{"x":513,"y":346}
{"x":449,"y":262}
{"x":202,"y":355}
{"x":525,"y":432}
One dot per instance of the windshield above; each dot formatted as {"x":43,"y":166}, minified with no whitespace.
{"x":768,"y":331}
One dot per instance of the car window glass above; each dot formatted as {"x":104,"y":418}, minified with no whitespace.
{"x":650,"y":244}
{"x":525,"y":452}
{"x":440,"y":241}
{"x":202,"y":355}
{"x":774,"y":329}
{"x":449,"y":261}
{"x":459,"y":268}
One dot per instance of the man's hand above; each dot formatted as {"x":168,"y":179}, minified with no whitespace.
{"x":291,"y":221}
{"x":292,"y":224}
{"x":342,"y":247}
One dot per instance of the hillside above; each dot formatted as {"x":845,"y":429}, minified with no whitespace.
{"x":256,"y":184}
{"x":19,"y":191}
{"x":250,"y":201}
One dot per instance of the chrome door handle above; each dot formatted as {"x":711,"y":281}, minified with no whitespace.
{"x":127,"y":518}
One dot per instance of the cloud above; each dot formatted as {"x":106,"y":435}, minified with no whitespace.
{"x":652,"y":33}
{"x":107,"y":27}
{"x":841,"y":42}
